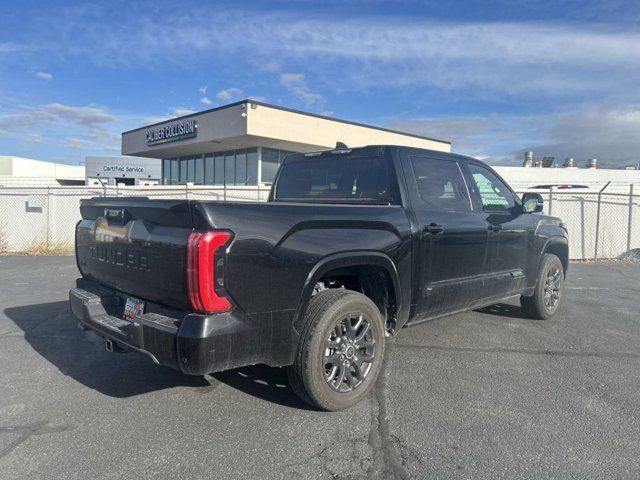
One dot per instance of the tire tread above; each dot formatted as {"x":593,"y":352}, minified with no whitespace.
{"x":300,"y":371}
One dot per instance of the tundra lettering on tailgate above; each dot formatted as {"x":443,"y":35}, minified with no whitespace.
{"x":120,"y":257}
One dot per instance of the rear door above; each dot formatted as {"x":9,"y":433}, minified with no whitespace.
{"x":452,"y":238}
{"x":507,"y":255}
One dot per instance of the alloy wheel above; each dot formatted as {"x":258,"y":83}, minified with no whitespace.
{"x":552,"y":288}
{"x":349,"y":353}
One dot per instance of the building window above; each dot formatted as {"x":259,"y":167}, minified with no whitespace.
{"x":241,"y":167}
{"x":232,"y":167}
{"x":219,"y":169}
{"x":183,"y":169}
{"x":270,"y":163}
{"x":229,"y":168}
{"x":252,"y":166}
{"x":166,"y":171}
{"x":208,"y":169}
{"x":191,"y":170}
{"x":174,"y":171}
{"x":271,"y":160}
{"x":199,"y":178}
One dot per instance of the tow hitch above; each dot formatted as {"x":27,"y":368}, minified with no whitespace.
{"x":112,"y":347}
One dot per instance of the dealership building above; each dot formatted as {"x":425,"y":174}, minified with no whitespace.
{"x":243,"y":143}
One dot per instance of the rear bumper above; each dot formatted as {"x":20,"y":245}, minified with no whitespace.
{"x":195,"y":344}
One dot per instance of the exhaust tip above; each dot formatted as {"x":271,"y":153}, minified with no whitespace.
{"x":108,"y":345}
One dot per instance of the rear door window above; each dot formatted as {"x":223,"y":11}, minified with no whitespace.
{"x":441,"y":184}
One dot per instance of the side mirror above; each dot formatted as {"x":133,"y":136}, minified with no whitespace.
{"x":532,"y":202}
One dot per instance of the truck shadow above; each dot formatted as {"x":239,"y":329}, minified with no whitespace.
{"x":51,"y":330}
{"x":263,"y":382}
{"x":504,"y":310}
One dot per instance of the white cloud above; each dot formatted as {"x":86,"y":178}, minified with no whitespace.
{"x":497,"y":58}
{"x":181,"y":111}
{"x":229,"y":93}
{"x":203,"y":89}
{"x":296,"y":84}
{"x":272,"y":66}
{"x":77,"y":142}
{"x":32,"y":138}
{"x":44,"y":75}
{"x":90,"y":125}
{"x":206,"y":101}
{"x":27,"y":117}
{"x":172,"y":113}
{"x":258,"y":98}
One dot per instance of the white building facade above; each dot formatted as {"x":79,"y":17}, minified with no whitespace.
{"x":20,"y":171}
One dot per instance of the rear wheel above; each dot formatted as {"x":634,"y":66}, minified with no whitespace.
{"x":340,"y":352}
{"x":546,"y":298}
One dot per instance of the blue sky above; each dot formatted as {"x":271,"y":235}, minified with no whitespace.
{"x":495,"y":77}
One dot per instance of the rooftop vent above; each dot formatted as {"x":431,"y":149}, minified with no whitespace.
{"x":528,"y":159}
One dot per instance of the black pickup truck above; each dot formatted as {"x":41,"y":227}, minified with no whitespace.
{"x":352,"y":245}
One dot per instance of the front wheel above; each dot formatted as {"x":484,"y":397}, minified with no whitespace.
{"x":341,"y":350}
{"x":549,"y":286}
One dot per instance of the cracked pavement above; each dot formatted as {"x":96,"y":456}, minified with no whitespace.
{"x":483,"y":394}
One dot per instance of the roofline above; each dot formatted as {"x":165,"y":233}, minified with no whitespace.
{"x":291,"y":110}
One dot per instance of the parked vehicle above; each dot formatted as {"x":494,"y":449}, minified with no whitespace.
{"x":352,"y":245}
{"x":559,"y":186}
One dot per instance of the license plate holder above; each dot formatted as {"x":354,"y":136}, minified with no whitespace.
{"x":133,"y":308}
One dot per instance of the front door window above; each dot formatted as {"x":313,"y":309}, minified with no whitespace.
{"x":494,"y":194}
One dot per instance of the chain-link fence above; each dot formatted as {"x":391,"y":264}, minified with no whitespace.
{"x":602,"y":223}
{"x":43,"y":219}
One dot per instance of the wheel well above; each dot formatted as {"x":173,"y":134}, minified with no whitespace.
{"x":561,"y":251}
{"x":373,"y":281}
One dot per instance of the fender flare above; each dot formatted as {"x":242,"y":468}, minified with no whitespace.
{"x":346,"y":259}
{"x":554,"y":240}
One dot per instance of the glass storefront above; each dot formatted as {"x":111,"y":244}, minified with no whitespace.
{"x":271,"y":160}
{"x":232,"y":167}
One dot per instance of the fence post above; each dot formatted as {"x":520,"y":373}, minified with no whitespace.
{"x":595,"y":250}
{"x":224,"y":192}
{"x":48,"y":215}
{"x":550,"y":199}
{"x":630,"y":219}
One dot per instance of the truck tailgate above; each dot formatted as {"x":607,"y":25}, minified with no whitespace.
{"x":137,"y":246}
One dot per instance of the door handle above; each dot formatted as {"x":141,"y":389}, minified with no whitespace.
{"x":494,"y":227}
{"x":433,"y":228}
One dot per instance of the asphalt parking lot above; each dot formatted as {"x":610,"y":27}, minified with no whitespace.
{"x":484,"y":394}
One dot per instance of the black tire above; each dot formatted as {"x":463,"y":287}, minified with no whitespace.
{"x":545,"y":300}
{"x":319,"y":383}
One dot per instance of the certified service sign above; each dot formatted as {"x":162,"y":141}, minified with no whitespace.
{"x":172,"y":132}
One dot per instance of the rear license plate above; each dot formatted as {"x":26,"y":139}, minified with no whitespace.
{"x":132,"y":308}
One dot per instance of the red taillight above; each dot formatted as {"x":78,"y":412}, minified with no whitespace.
{"x":205,"y":278}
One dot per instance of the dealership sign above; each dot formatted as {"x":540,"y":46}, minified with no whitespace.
{"x":122,"y":168}
{"x":172,"y":132}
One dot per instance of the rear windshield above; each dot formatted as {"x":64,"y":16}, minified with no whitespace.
{"x":339,"y":179}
